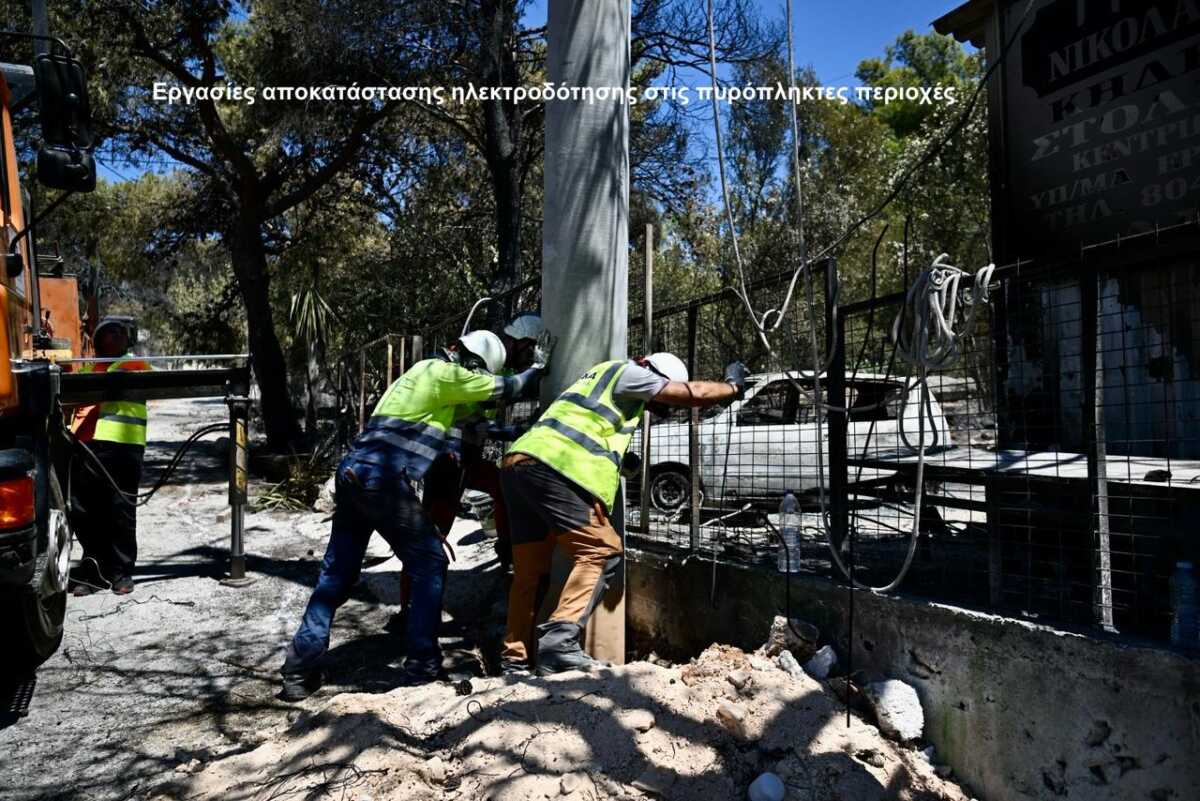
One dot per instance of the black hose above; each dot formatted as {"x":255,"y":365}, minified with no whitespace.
{"x":141,"y":499}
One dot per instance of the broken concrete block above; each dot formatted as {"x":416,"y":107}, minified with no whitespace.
{"x":789,"y":665}
{"x":640,"y":720}
{"x":897,"y":709}
{"x":655,"y":780}
{"x":759,"y":662}
{"x":569,"y":783}
{"x":738,"y":678}
{"x":871,"y":757}
{"x":324,"y":501}
{"x":800,"y":638}
{"x":733,"y":718}
{"x":434,"y":770}
{"x":822,"y":663}
{"x":767,"y":787}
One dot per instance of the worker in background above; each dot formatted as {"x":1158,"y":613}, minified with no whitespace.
{"x":407,"y":431}
{"x":105,"y":516}
{"x":560,"y":480}
{"x":462,"y":465}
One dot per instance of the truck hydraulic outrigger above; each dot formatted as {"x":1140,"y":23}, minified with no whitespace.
{"x":231,"y":382}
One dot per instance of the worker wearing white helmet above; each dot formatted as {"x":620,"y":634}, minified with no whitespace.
{"x":408,"y":429}
{"x":520,"y":337}
{"x":560,"y":480}
{"x":462,"y":465}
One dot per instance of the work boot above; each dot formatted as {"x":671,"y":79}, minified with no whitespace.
{"x":397,"y":623}
{"x":298,"y":686}
{"x":122,"y":585}
{"x":85,"y":578}
{"x":558,"y":649}
{"x":79,"y":589}
{"x":514,"y":668}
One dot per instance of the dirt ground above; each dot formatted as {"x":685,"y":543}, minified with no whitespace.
{"x":171,"y":692}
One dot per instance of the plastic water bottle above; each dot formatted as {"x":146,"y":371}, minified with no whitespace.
{"x":1184,"y":632}
{"x":789,"y":530}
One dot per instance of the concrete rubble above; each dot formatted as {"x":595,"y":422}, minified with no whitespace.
{"x":822,"y":663}
{"x":897,"y":708}
{"x":628,"y":732}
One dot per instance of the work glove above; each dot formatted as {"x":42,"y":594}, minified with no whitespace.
{"x":735,"y":374}
{"x":543,"y":350}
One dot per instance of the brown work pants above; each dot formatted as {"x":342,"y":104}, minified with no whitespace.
{"x":547,"y":511}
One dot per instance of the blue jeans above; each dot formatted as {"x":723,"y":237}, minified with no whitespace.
{"x":369,"y":498}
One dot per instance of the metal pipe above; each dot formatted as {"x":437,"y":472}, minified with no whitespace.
{"x":647,"y":348}
{"x":238,"y":494}
{"x":219,"y":357}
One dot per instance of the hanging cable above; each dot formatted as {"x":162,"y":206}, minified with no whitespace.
{"x":140,"y":499}
{"x":929,"y":342}
{"x":777,"y":315}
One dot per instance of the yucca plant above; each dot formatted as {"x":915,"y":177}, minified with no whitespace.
{"x":312,"y":319}
{"x":306,"y":475}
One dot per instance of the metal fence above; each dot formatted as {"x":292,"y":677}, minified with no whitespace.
{"x":1062,"y":473}
{"x":1062,"y":465}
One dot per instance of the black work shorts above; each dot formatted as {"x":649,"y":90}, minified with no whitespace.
{"x":541,"y":500}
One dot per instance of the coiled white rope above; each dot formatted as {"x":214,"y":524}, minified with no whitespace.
{"x":928,"y":342}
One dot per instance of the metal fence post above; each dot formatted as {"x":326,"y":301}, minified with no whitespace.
{"x":1093,"y":425}
{"x":389,"y":360}
{"x":647,"y":347}
{"x":362,"y":389}
{"x":239,"y":406}
{"x":693,"y":317}
{"x":835,"y":387}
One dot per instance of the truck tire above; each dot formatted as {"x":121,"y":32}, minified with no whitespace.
{"x":33,"y":633}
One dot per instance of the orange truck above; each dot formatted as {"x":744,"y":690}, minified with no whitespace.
{"x":35,"y":534}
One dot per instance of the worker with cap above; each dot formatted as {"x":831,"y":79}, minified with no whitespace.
{"x":104,"y":514}
{"x":560,"y":480}
{"x":407,"y":431}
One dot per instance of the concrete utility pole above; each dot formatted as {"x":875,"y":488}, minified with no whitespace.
{"x":585,"y":236}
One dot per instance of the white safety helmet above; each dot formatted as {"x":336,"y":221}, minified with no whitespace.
{"x":525,"y":326}
{"x":669,"y":366}
{"x":487,"y":346}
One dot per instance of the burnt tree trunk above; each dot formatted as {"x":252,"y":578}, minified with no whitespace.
{"x":503,"y":131}
{"x":249,"y":258}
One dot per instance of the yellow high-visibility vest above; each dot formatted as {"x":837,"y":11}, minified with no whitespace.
{"x":584,"y":434}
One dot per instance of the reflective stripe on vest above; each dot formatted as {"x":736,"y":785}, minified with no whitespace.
{"x":122,"y":421}
{"x":409,"y":426}
{"x":584,"y":434}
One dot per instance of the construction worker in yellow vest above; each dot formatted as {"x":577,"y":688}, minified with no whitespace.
{"x":104,"y":516}
{"x":408,"y":430}
{"x":560,"y":480}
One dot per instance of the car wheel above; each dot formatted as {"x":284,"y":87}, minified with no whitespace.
{"x":32,"y":626}
{"x":670,"y":489}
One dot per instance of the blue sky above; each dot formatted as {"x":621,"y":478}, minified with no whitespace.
{"x":834,"y":35}
{"x":831,"y":35}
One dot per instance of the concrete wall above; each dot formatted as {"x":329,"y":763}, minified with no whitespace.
{"x":1019,"y":711}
